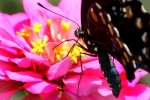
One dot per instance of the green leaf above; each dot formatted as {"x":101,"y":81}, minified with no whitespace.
{"x":54,"y":2}
{"x":11,"y":6}
{"x":146,"y":80}
{"x":19,"y":95}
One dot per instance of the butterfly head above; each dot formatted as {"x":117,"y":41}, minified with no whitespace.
{"x":79,"y":33}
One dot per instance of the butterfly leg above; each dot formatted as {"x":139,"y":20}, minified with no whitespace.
{"x":74,"y":44}
{"x":82,"y":70}
{"x":68,"y":40}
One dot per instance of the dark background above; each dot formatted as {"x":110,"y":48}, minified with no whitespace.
{"x":12,"y":6}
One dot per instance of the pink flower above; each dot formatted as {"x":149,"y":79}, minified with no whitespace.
{"x":28,"y":59}
{"x":30,"y":62}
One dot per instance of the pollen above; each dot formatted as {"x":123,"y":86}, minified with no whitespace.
{"x":65,"y":25}
{"x":74,"y":54}
{"x":37,"y":27}
{"x":39,"y":45}
{"x":61,"y":51}
{"x":49,"y":22}
{"x":25,"y":33}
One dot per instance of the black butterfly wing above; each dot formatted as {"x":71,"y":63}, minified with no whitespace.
{"x":101,"y":30}
{"x":86,"y":5}
{"x":135,"y":32}
{"x":109,"y":70}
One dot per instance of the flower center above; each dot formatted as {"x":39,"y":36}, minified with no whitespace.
{"x":64,"y":50}
{"x":37,"y":27}
{"x":25,"y":33}
{"x":56,"y":30}
{"x":39,"y":45}
{"x":65,"y":25}
{"x":75,"y":54}
{"x":49,"y":22}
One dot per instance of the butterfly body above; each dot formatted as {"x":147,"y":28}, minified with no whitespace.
{"x":101,"y":38}
{"x":109,"y":70}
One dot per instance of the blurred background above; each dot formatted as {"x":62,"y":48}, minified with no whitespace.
{"x":11,"y":6}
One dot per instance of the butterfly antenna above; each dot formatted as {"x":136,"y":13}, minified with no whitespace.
{"x":58,"y":14}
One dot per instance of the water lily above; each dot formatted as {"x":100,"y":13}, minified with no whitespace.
{"x":31,"y":62}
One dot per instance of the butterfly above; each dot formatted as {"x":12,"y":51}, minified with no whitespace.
{"x":130,"y":44}
{"x":101,"y":37}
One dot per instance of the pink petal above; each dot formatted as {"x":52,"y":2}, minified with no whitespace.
{"x":7,"y":95}
{"x":2,"y":75}
{"x":7,"y":89}
{"x":138,"y":75}
{"x":17,"y":18}
{"x":118,"y":65}
{"x":96,"y":96}
{"x":31,"y":8}
{"x":23,"y":76}
{"x":92,"y":79}
{"x":10,"y":34}
{"x":6,"y":25}
{"x":92,"y":64}
{"x":40,"y":87}
{"x":8,"y":43}
{"x":145,"y":95}
{"x":59,"y":69}
{"x":72,"y":8}
{"x":22,"y":43}
{"x":69,"y":96}
{"x":105,"y":92}
{"x":38,"y":59}
{"x":5,"y":59}
{"x":56,"y":96}
{"x":130,"y":98}
{"x":8,"y":52}
{"x":22,"y":62}
{"x":33,"y":97}
{"x":134,"y":92}
{"x":21,"y":25}
{"x":37,"y":13}
{"x":50,"y":51}
{"x":5,"y":34}
{"x":6,"y":66}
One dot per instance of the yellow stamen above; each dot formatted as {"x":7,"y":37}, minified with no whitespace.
{"x":61,"y":51}
{"x":65,"y":25}
{"x":75,"y":54}
{"x":49,"y":22}
{"x":24,"y":33}
{"x":39,"y":45}
{"x":64,"y":49}
{"x":37,"y":27}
